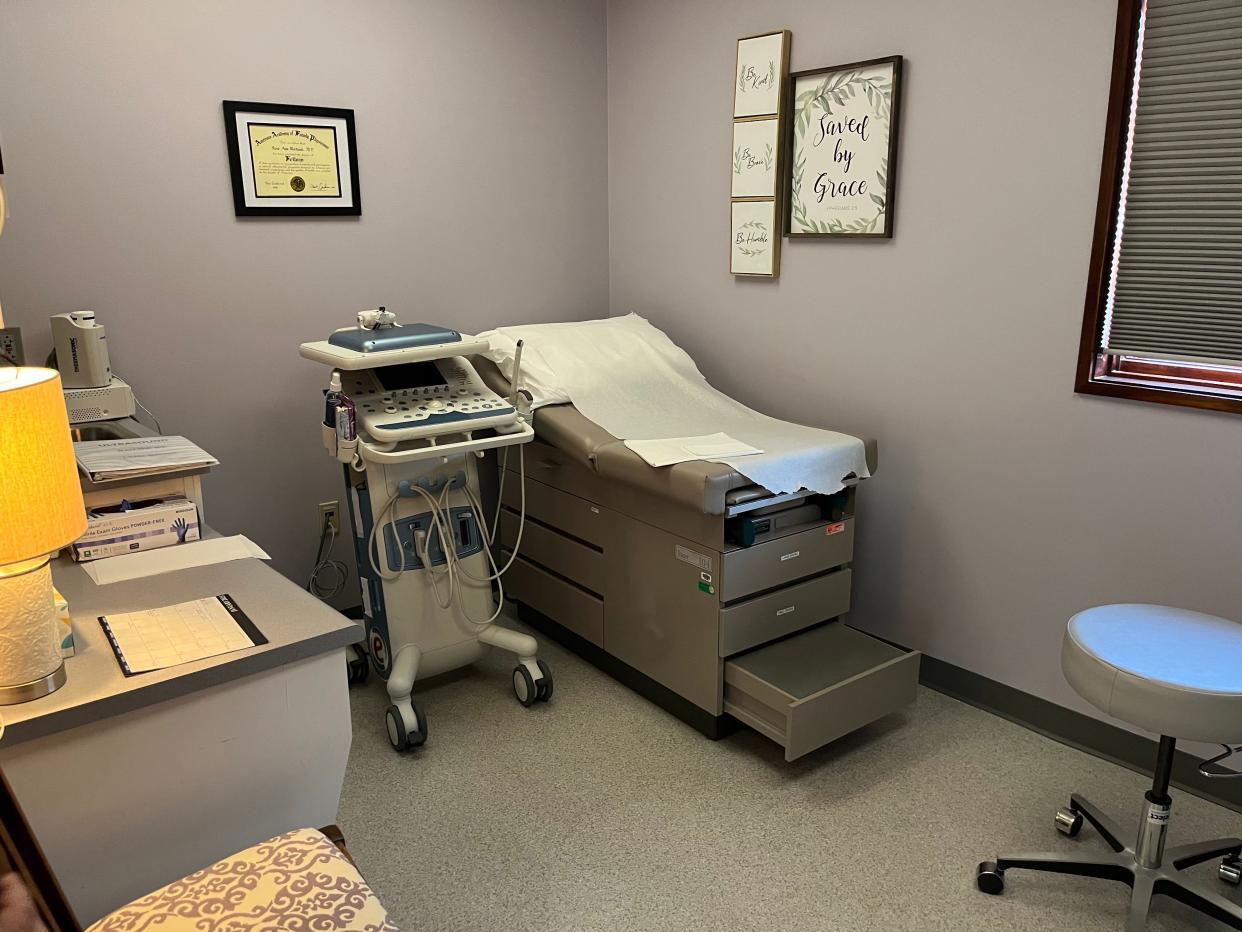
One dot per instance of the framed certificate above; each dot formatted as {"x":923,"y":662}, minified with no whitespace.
{"x":289,"y":161}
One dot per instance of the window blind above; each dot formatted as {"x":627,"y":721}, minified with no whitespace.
{"x":1176,"y":287}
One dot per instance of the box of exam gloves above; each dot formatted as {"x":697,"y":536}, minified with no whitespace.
{"x":133,"y":526}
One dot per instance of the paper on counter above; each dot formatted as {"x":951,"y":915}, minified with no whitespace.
{"x":133,"y":457}
{"x":683,"y":449}
{"x":177,"y":557}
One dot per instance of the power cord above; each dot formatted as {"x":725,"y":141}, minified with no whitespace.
{"x":324,"y":564}
{"x":441,"y":522}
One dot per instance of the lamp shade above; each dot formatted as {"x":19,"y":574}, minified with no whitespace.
{"x":41,"y":506}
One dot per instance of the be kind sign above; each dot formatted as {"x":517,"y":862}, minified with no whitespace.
{"x":843,"y":149}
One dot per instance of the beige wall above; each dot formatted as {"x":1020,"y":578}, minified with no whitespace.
{"x":482,"y":152}
{"x":1003,"y":503}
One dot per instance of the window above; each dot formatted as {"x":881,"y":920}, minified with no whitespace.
{"x":1163,"y":317}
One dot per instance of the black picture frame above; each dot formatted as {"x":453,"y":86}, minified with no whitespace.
{"x":890,"y":185}
{"x":286,"y":208}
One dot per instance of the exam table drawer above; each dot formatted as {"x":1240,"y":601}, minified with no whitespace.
{"x":563,"y":602}
{"x":810,"y":689}
{"x":561,"y":510}
{"x":767,"y":617}
{"x":775,"y":562}
{"x":563,"y":555}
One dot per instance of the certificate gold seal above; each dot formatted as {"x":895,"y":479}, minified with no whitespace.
{"x":297,"y":183}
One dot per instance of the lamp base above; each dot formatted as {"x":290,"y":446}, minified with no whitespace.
{"x":35,"y":689}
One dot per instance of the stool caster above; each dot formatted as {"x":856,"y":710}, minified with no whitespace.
{"x":1068,"y":821}
{"x":990,"y":878}
{"x":1230,"y":871}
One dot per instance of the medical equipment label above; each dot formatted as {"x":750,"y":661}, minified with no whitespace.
{"x":694,"y":558}
{"x":836,"y":528}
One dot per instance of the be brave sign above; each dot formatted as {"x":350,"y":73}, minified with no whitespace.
{"x":843,"y":148}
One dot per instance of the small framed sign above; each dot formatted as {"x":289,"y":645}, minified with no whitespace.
{"x":290,"y":161}
{"x":755,"y":147}
{"x":842,"y":149}
{"x":756,"y":245}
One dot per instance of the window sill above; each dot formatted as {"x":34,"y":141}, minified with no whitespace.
{"x":1139,"y":388}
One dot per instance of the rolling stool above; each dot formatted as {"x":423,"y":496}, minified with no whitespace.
{"x":1177,"y":674}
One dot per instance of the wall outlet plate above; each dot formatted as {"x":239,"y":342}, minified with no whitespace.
{"x":11,"y":353}
{"x":329,"y":517}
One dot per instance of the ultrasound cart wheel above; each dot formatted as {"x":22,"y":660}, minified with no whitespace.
{"x":357,"y":665}
{"x":398,"y":735}
{"x":524,"y":686}
{"x":545,"y":682}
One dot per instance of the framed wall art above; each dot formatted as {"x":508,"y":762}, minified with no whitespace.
{"x":756,"y":145}
{"x":842,"y":149}
{"x":756,"y":246}
{"x":291,"y":161}
{"x":757,"y":162}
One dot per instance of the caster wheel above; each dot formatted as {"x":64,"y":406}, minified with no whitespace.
{"x":990,"y":878}
{"x":1068,"y":822}
{"x":398,"y":736}
{"x":358,"y":667}
{"x":396,"y":728}
{"x":524,"y":686}
{"x":1230,"y":871}
{"x":545,"y":682}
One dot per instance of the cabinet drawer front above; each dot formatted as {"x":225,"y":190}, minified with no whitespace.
{"x":561,"y":554}
{"x":748,"y":624}
{"x":577,"y":610}
{"x":779,"y":561}
{"x":813,"y":688}
{"x":561,"y":510}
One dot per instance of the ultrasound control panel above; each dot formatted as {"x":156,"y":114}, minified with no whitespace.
{"x":425,"y":399}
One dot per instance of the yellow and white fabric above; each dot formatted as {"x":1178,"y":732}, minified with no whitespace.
{"x":299,"y":880}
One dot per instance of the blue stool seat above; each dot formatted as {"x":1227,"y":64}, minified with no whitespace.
{"x":1166,"y":670}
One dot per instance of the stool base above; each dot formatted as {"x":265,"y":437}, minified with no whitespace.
{"x":1164,"y":878}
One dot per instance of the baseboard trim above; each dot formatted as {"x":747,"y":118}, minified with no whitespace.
{"x":1074,"y":729}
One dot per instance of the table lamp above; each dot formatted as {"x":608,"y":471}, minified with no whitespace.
{"x":41,"y":510}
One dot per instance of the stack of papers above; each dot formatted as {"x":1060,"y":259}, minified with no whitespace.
{"x":135,"y":457}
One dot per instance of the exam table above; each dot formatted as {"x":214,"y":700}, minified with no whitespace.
{"x":704,"y":592}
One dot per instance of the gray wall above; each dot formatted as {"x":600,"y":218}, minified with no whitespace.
{"x":1004,"y":503}
{"x":482,"y":153}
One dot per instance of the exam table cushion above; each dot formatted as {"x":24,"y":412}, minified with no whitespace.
{"x":1167,"y":670}
{"x":299,"y":880}
{"x":698,"y":483}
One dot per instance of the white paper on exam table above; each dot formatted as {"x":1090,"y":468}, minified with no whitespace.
{"x":131,"y":457}
{"x":633,"y":381}
{"x":176,"y":557}
{"x":673,"y":450}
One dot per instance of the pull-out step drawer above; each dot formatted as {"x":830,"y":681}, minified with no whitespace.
{"x":813,"y":688}
{"x":744,"y":625}
{"x":563,"y":555}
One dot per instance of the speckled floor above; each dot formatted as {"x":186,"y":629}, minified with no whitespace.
{"x":600,"y":811}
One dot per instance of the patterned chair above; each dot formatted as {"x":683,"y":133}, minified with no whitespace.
{"x":300,"y":880}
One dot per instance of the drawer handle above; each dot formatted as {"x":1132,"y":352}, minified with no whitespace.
{"x":785,"y":611}
{"x":790,"y":556}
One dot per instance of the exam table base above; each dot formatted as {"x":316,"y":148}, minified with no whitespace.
{"x":702,"y":721}
{"x":1126,"y":864}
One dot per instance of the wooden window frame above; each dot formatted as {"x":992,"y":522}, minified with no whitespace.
{"x":1169,"y":382}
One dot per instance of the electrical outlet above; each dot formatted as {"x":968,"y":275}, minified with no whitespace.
{"x":329,"y":517}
